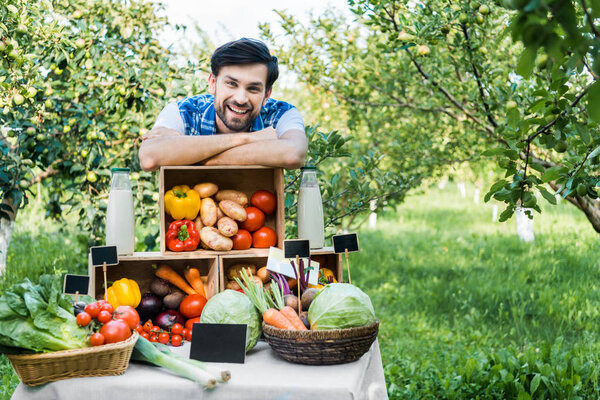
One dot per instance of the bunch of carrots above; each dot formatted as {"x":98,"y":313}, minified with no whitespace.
{"x":270,"y":304}
{"x":194,"y":284}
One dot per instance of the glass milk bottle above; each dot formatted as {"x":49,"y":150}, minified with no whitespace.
{"x":120,"y":218}
{"x":310,"y":209}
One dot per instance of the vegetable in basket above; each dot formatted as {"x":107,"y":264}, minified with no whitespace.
{"x":124,"y":292}
{"x":231,"y":307}
{"x":181,"y":202}
{"x":38,"y":317}
{"x":340,"y":306}
{"x":182,"y":236}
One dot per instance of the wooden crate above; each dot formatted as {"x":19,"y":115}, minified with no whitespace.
{"x":139,"y":268}
{"x":247,"y":179}
{"x":325,"y":256}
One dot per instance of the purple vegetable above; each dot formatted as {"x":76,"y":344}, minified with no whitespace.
{"x":149,"y":307}
{"x":281,"y":280}
{"x":168,"y":318}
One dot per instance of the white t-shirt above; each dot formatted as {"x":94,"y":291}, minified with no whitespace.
{"x":169,"y":117}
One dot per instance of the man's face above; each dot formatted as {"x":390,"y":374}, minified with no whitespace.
{"x":239,"y":92}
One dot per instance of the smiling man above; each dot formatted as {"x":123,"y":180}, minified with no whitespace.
{"x":236,"y":124}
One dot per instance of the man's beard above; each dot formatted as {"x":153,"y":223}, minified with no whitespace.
{"x":235,"y":124}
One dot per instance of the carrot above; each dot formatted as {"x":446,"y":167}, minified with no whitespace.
{"x":293,"y":317}
{"x":167,"y":273}
{"x":275,"y":318}
{"x":192,"y":275}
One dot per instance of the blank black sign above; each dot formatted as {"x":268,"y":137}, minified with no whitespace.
{"x":219,"y":343}
{"x":76,"y":283}
{"x":297,"y":247}
{"x":102,"y":254}
{"x":349,"y":242}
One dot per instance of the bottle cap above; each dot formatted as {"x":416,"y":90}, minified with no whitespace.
{"x":119,"y":169}
{"x":309,"y":167}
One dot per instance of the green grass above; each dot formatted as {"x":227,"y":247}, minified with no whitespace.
{"x":466,"y":309}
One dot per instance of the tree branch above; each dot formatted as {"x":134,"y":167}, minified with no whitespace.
{"x":590,"y":20}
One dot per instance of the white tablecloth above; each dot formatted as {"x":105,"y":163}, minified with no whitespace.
{"x":264,"y":376}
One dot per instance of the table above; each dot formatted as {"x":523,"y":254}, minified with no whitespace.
{"x":265,"y":375}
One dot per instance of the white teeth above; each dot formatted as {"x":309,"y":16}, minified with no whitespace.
{"x":237,"y":110}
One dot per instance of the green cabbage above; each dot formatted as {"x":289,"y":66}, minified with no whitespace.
{"x":232,"y":307}
{"x":340,"y":306}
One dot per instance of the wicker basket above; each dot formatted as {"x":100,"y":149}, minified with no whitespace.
{"x":326,"y":347}
{"x":40,"y":368}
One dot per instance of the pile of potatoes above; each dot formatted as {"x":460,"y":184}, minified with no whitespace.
{"x":260,"y":276}
{"x":218,"y":217}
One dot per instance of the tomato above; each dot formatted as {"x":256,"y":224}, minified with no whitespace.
{"x":97,"y":339}
{"x":190,"y":322}
{"x":145,"y":335}
{"x":192,"y":305}
{"x":163,"y":337}
{"x":128,"y":314}
{"x":188,"y":335}
{"x":83,"y":319}
{"x":264,"y":237}
{"x":155,"y":329}
{"x":177,"y":329}
{"x":139,"y":329}
{"x":254,"y":220}
{"x":115,"y":331}
{"x":154,"y":337}
{"x":184,"y":332}
{"x":176,"y":340}
{"x":148,"y":326}
{"x":242,"y":240}
{"x":93,"y":309}
{"x":107,"y":307}
{"x":264,"y":200}
{"x":104,"y":316}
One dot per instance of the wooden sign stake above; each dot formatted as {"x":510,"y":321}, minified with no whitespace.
{"x":105,"y":280}
{"x":348,"y":266}
{"x":76,"y":295}
{"x":298,"y":283}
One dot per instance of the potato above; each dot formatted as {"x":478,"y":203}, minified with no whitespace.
{"x":233,"y":195}
{"x":227,"y":226}
{"x":232,"y":210}
{"x":211,"y":237}
{"x":208,"y":212}
{"x":206,"y":189}
{"x":198,"y":223}
{"x":234,"y":270}
{"x":233,"y":285}
{"x":263,"y":274}
{"x":257,"y":280}
{"x":219,"y":214}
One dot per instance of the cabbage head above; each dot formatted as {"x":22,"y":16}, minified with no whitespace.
{"x":340,"y":306}
{"x":232,"y":307}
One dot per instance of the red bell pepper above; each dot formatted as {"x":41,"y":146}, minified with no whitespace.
{"x":182,"y":236}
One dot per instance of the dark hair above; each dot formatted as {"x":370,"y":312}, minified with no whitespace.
{"x":245,"y":51}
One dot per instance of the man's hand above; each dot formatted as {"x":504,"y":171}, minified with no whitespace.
{"x":269,"y":133}
{"x":160,"y":131}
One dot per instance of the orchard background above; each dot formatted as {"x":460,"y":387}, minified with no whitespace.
{"x":500,"y":94}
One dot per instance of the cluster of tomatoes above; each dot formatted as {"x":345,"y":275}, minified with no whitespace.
{"x":174,"y":336}
{"x":107,"y":324}
{"x":252,"y":231}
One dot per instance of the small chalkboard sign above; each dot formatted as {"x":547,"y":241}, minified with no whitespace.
{"x":219,"y":343}
{"x":343,"y":243}
{"x":296,"y":247}
{"x":104,"y":254}
{"x":76,"y":284}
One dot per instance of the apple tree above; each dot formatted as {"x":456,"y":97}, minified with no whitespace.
{"x":79,"y":82}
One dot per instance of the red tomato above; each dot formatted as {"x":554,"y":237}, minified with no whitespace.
{"x":254,"y":220}
{"x":264,"y":237}
{"x":129,"y":315}
{"x":107,"y":307}
{"x":188,"y":335}
{"x":190,"y":322}
{"x":176,"y":329}
{"x":93,"y":309}
{"x":192,"y":305}
{"x":139,"y":329}
{"x":184,"y":332}
{"x":148,"y":326}
{"x":155,"y":329}
{"x":163,"y":337}
{"x":145,"y":335}
{"x":154,"y":337}
{"x":242,"y":240}
{"x":115,"y":331}
{"x":104,"y":316}
{"x":176,"y":340}
{"x":264,"y":200}
{"x":83,"y":319}
{"x":97,"y":339}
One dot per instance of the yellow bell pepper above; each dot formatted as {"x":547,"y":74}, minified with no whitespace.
{"x":124,"y":292}
{"x":181,"y":202}
{"x":325,"y":276}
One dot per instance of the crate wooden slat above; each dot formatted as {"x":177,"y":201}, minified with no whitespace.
{"x":247,"y":179}
{"x":139,"y":268}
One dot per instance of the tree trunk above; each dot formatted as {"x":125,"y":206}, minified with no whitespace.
{"x":6,"y":228}
{"x":590,"y":208}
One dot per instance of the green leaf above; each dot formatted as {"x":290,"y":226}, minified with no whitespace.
{"x":496,"y":151}
{"x":523,"y":396}
{"x":593,"y":97}
{"x":526,"y":62}
{"x":547,"y":195}
{"x":553,"y":173}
